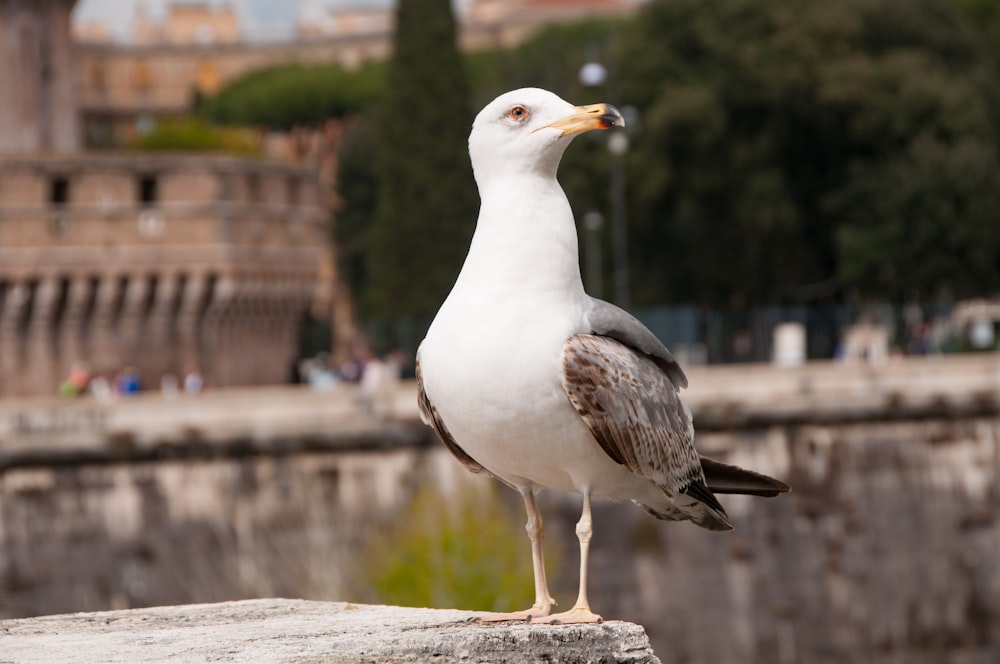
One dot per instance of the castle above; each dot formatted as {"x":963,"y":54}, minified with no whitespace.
{"x":171,"y":262}
{"x":162,"y":262}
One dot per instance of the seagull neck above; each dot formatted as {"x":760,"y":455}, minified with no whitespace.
{"x":527,"y":240}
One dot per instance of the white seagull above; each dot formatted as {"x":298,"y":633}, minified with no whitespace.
{"x":527,"y":378}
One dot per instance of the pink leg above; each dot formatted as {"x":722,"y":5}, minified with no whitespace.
{"x":543,"y":601}
{"x":580,"y":613}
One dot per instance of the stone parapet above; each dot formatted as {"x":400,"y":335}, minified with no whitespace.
{"x":886,"y":545}
{"x":283,"y":630}
{"x":722,"y":398}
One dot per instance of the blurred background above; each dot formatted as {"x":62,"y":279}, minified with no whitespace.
{"x":225,"y":227}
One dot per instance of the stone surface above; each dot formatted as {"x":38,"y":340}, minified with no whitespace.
{"x":283,"y":630}
{"x":885,"y":551}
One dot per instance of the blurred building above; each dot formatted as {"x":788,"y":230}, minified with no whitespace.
{"x":164,"y":262}
{"x":348,"y":23}
{"x":188,"y":23}
{"x":198,"y":48}
{"x":507,"y":23}
{"x":124,"y":87}
{"x":37,"y":80}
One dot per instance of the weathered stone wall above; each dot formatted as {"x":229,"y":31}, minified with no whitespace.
{"x":186,"y":531}
{"x":886,"y":551}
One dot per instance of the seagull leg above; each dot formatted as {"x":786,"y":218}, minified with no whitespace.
{"x":543,"y":601}
{"x":581,"y":613}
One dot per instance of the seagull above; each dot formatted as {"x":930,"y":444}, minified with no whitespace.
{"x":526,"y":378}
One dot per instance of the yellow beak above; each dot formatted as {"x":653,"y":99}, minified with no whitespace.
{"x":586,"y":118}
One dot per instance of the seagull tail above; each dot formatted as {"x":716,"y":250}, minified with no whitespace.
{"x":694,"y":502}
{"x":703,"y":508}
{"x":723,"y":478}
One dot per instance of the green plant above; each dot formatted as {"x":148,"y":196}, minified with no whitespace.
{"x":295,"y":95}
{"x":468,"y":550}
{"x":195,"y":135}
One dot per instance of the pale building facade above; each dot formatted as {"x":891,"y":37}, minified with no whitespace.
{"x":506,"y":23}
{"x":162,"y":262}
{"x":352,"y":22}
{"x":188,"y":23}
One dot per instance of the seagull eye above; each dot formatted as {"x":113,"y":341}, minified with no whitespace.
{"x":517,"y":113}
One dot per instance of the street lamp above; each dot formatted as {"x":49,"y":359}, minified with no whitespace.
{"x":592,"y":74}
{"x":618,"y":147}
{"x":593,"y":221}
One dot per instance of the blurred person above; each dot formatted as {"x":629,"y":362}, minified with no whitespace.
{"x":100,"y":387}
{"x":128,"y":382}
{"x":351,"y":370}
{"x":75,"y":382}
{"x":379,"y":380}
{"x":318,"y":374}
{"x":169,"y":387}
{"x":194,"y":383}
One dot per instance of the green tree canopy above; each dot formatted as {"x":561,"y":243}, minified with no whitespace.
{"x":786,"y":144}
{"x":786,"y":150}
{"x":289,"y":95}
{"x":194,"y":135}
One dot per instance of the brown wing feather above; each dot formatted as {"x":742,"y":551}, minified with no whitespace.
{"x":430,"y":417}
{"x":633,"y":410}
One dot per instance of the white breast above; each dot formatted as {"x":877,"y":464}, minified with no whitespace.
{"x":492,"y":359}
{"x":495,"y":378}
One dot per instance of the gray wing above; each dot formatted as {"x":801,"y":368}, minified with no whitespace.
{"x":607,"y":320}
{"x":632,"y":408}
{"x":430,"y":417}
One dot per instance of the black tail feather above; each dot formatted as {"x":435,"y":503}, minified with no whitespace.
{"x":704,"y":494}
{"x":723,"y":478}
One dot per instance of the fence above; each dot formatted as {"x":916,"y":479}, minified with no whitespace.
{"x":704,"y":335}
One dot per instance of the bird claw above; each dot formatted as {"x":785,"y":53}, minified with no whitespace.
{"x":529,"y":615}
{"x":575,"y":616}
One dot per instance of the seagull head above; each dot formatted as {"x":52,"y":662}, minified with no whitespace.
{"x":527,"y":130}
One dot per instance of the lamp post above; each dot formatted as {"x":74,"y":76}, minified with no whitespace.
{"x":593,"y":221}
{"x":593,"y":74}
{"x":618,"y":147}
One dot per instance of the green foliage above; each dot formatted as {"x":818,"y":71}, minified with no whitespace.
{"x":357,"y":186}
{"x":786,"y":143}
{"x":195,"y":135}
{"x":289,"y":95}
{"x":426,"y":205}
{"x":782,"y":145}
{"x":467,"y":551}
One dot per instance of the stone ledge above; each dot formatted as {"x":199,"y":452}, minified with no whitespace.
{"x":283,"y":630}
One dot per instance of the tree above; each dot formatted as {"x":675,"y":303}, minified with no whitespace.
{"x":787,"y":144}
{"x":426,"y":202}
{"x":194,"y":135}
{"x":290,"y":95}
{"x":357,"y":186}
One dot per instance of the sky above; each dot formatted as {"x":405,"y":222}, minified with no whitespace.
{"x":261,"y":18}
